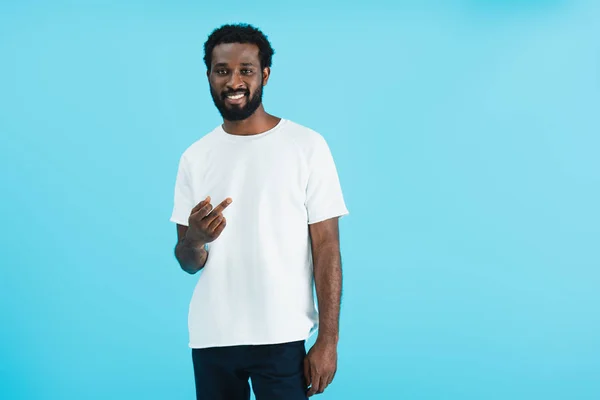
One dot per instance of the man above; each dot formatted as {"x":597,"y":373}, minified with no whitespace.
{"x":271,"y":234}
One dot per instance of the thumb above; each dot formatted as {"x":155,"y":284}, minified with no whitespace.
{"x":307,"y":379}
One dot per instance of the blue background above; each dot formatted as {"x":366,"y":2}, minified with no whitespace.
{"x":467,"y":138}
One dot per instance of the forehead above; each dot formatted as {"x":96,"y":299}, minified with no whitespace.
{"x":235,"y":53}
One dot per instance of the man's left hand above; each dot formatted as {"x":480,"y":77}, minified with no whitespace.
{"x":320,"y":366}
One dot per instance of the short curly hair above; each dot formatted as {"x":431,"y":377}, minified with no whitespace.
{"x":239,"y":33}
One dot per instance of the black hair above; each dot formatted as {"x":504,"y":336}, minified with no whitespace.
{"x":239,"y":33}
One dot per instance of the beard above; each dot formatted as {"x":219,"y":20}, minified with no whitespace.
{"x":236,"y":112}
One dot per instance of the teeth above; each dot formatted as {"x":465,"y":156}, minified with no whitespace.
{"x":236,"y":96}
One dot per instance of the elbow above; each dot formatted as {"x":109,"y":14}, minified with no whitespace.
{"x":181,"y":260}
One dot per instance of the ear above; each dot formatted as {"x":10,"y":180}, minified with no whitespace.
{"x":266,"y":75}
{"x":208,"y":73}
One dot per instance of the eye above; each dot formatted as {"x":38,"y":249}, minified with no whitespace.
{"x":247,"y":71}
{"x":221,"y":71}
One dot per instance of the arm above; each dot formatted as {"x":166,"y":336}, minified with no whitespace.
{"x":320,"y":364}
{"x":191,"y":254}
{"x":205,"y":225}
{"x":327,"y":267}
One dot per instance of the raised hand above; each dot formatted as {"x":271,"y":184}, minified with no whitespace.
{"x":205,"y":224}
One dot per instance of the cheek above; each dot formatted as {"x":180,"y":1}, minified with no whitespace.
{"x":215,"y":83}
{"x":256,"y":85}
{"x":215,"y":88}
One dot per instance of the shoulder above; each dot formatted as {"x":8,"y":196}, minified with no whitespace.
{"x":306,"y":138}
{"x":200,"y":146}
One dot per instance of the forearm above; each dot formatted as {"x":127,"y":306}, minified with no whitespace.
{"x":191,"y":255}
{"x":328,"y":282}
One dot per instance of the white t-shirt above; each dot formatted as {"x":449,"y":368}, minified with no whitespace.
{"x":257,"y":284}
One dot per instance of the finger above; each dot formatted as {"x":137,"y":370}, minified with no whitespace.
{"x":215,"y":222}
{"x":326,"y":382}
{"x":203,"y":211}
{"x":220,"y":228}
{"x":331,"y":378}
{"x":322,"y":384}
{"x":223,"y":205}
{"x":200,"y":205}
{"x":306,"y":372}
{"x":316,"y":385}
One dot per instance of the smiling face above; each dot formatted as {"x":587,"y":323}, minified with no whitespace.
{"x":236,"y":80}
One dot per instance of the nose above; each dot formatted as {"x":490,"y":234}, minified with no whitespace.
{"x":235,"y":81}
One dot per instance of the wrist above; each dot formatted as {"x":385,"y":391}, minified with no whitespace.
{"x":192,"y":240}
{"x":328,"y":338}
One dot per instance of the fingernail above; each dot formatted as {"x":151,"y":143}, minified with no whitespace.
{"x":228,"y":201}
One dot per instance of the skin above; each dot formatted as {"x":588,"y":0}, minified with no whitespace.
{"x":205,"y":224}
{"x":320,"y":364}
{"x":236,"y":67}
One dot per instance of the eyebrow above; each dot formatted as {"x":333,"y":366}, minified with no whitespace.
{"x":245,"y":64}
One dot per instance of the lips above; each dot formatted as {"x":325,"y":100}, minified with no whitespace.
{"x":235,"y":97}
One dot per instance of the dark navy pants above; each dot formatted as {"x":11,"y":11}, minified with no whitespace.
{"x":276,"y":372}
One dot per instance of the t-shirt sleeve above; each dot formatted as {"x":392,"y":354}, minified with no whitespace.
{"x":324,"y":198}
{"x":183,"y":199}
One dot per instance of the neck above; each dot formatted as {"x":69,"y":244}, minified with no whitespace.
{"x":258,"y":122}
